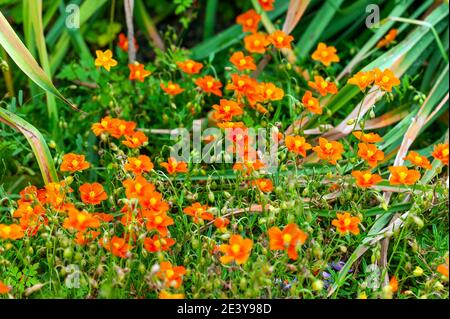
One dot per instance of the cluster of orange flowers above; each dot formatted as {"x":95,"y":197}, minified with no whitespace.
{"x":238,"y":249}
{"x":118,"y":128}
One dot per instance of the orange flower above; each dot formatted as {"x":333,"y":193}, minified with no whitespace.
{"x":362,"y":79}
{"x":443,"y":268}
{"x":248,"y":166}
{"x":158,"y":244}
{"x":256,"y":43}
{"x":370,"y":153}
{"x":366,"y":178}
{"x":199,"y":212}
{"x":345,"y":223}
{"x":393,"y":283}
{"x":243,"y":62}
{"x":139,"y":164}
{"x":118,"y":247}
{"x":440,"y":152}
{"x":12,"y":231}
{"x":311,"y":103}
{"x":264,"y":184}
{"x":249,"y":21}
{"x":190,"y":66}
{"x":163,"y":294}
{"x":137,"y":72}
{"x":173,"y":166}
{"x":330,"y":151}
{"x":80,"y":220}
{"x":105,"y":59}
{"x":73,"y":163}
{"x":267,"y":5}
{"x":269,"y":92}
{"x":297,"y":144}
{"x":152,"y":202}
{"x":4,"y":289}
{"x":83,"y":238}
{"x":418,"y":160}
{"x":171,"y":88}
{"x":172,"y":276}
{"x":231,"y":125}
{"x":56,"y":196}
{"x":325,"y":54}
{"x":367,"y":137}
{"x":119,"y":128}
{"x":221,"y":223}
{"x":159,"y":222}
{"x":135,"y":140}
{"x":92,"y":193}
{"x":322,"y":86}
{"x":209,"y":85}
{"x":388,"y":38}
{"x":237,"y":250}
{"x":287,"y":239}
{"x":135,"y":188}
{"x":123,"y":42}
{"x":103,"y":126}
{"x":402,"y":175}
{"x":226,"y":110}
{"x":241,"y":84}
{"x":281,"y":40}
{"x":386,"y":79}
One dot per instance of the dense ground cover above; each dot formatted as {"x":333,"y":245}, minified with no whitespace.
{"x":128,"y":168}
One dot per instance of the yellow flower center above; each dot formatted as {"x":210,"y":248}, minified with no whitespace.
{"x":367,"y":177}
{"x":328,"y":146}
{"x":75,"y":163}
{"x":235,"y":248}
{"x":138,"y":163}
{"x":189,"y":65}
{"x":298,"y":143}
{"x":403,"y":175}
{"x":81,"y":218}
{"x":171,"y":87}
{"x":311,"y":102}
{"x":209,"y":84}
{"x":169,"y":273}
{"x":104,"y":123}
{"x":227,"y":108}
{"x":138,"y":186}
{"x":122,"y":127}
{"x":242,"y":62}
{"x":418,"y":159}
{"x":324,"y":84}
{"x":370,"y":153}
{"x":241,"y":83}
{"x":445,"y":152}
{"x":385,"y":79}
{"x":158,"y":219}
{"x":324,"y":53}
{"x":287,"y":239}
{"x":280,"y":39}
{"x":249,"y":22}
{"x":157,"y":243}
{"x":91,"y":194}
{"x":347,"y":221}
{"x":256,"y":43}
{"x":263,"y":184}
{"x":7,"y":230}
{"x":153,"y":201}
{"x":363,"y":78}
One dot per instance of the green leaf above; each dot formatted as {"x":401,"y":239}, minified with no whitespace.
{"x":25,"y":61}
{"x":37,"y":143}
